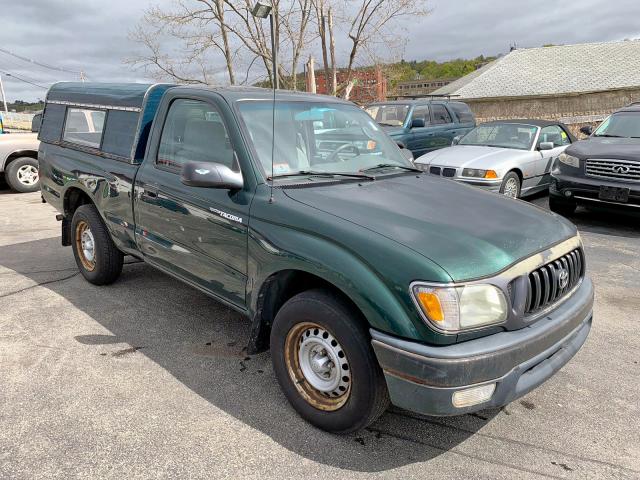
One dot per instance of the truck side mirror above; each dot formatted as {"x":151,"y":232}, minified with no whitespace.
{"x":417,"y":123}
{"x":210,"y":175}
{"x":456,"y":140}
{"x":587,"y":130}
{"x":546,"y":146}
{"x":35,"y":122}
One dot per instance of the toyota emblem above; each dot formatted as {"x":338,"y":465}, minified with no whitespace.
{"x":620,"y":169}
{"x":563,"y":278}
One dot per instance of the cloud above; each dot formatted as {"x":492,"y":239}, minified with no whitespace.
{"x":92,"y":36}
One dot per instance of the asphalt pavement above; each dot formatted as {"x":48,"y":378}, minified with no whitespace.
{"x":148,"y":378}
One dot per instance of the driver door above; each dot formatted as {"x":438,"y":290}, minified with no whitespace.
{"x":198,"y":234}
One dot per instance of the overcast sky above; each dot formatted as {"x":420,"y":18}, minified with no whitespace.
{"x":91,"y":35}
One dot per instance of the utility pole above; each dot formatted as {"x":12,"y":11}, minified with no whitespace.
{"x":4,"y":98}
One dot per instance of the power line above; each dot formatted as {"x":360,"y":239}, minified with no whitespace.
{"x":40,"y":64}
{"x":23,"y":80}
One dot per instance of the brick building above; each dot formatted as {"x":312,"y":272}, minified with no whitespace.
{"x":577,"y":84}
{"x":370,"y":85}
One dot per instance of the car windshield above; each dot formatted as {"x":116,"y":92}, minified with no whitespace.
{"x":504,"y":135}
{"x":323,"y":138}
{"x":390,"y":114}
{"x":625,"y":124}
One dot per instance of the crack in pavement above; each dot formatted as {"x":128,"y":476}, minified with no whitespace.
{"x":5,"y":295}
{"x":514,"y":442}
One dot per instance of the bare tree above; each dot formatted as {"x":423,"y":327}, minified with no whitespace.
{"x":375,"y":24}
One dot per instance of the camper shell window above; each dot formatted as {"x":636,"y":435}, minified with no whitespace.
{"x":84,"y":126}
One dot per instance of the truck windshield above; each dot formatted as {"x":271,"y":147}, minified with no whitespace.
{"x":391,"y":114}
{"x":503,"y":135}
{"x":316,"y":137}
{"x":620,"y":125}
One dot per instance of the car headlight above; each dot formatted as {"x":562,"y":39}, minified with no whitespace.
{"x":422,"y":166}
{"x":569,"y":160}
{"x":455,"y":309}
{"x":476,"y":173}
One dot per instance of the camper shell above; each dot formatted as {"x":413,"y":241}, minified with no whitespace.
{"x":124,"y":113}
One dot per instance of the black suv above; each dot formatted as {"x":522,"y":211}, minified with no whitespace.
{"x":603,"y":169}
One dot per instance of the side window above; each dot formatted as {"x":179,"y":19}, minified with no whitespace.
{"x":84,"y":127}
{"x":193,"y":131}
{"x":463,"y":112}
{"x":440,"y":114}
{"x":554,"y":134}
{"x":422,"y":111}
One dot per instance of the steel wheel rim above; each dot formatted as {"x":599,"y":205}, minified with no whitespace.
{"x":85,"y":245}
{"x":28,"y":175}
{"x":318,"y":366}
{"x":511,"y":188}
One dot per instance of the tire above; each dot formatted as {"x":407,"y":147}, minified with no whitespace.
{"x":306,"y":322}
{"x":22,"y":175}
{"x":90,"y":235}
{"x":562,"y":207}
{"x":511,"y":185}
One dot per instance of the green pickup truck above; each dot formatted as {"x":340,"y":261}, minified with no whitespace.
{"x":369,"y":281}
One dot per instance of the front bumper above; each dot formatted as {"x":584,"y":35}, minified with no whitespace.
{"x":586,"y":190}
{"x":491,"y":185}
{"x":423,"y":378}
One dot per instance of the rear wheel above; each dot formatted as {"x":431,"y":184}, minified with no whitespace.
{"x":97,"y":257}
{"x":22,"y":175}
{"x":323,"y":360}
{"x":511,"y":185}
{"x":562,"y":207}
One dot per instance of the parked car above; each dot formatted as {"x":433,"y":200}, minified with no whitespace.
{"x":19,"y":159}
{"x":423,"y":125}
{"x":365,"y":278}
{"x":511,"y":157}
{"x":603,"y":169}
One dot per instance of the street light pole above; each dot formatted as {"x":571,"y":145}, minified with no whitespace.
{"x":264,"y":9}
{"x":4,"y":98}
{"x":274,"y":53}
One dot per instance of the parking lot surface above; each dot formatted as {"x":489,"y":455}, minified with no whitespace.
{"x":147,"y":378}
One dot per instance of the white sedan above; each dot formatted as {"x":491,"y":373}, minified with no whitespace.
{"x":512,"y":157}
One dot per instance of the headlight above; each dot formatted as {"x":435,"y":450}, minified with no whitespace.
{"x":422,"y":166}
{"x":476,"y":173}
{"x":569,"y":160}
{"x":454,"y":309}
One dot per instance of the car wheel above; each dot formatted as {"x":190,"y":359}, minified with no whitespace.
{"x":561,"y":207}
{"x":324,"y":363}
{"x":511,"y":185}
{"x":22,"y":175}
{"x":97,"y":257}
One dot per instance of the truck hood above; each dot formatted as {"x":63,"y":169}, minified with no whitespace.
{"x":470,"y":233}
{"x":606,"y":147}
{"x":472,"y":156}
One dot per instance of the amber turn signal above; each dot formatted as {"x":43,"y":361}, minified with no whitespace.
{"x":431,"y":305}
{"x":491,"y":174}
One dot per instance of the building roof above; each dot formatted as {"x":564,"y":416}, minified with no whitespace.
{"x":555,"y":70}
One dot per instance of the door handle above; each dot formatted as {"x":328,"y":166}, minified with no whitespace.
{"x":150,"y":191}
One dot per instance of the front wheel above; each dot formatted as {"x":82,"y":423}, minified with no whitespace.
{"x":97,"y":257}
{"x":324,"y":363}
{"x":511,"y":185}
{"x":22,"y":175}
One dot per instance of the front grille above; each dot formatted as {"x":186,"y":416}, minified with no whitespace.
{"x":613,"y":168}
{"x":448,"y":172}
{"x":434,"y":170}
{"x":547,"y":285}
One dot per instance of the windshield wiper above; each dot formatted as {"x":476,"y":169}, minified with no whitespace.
{"x":389,"y":165}
{"x":313,"y":173}
{"x":389,"y":124}
{"x":609,"y":135}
